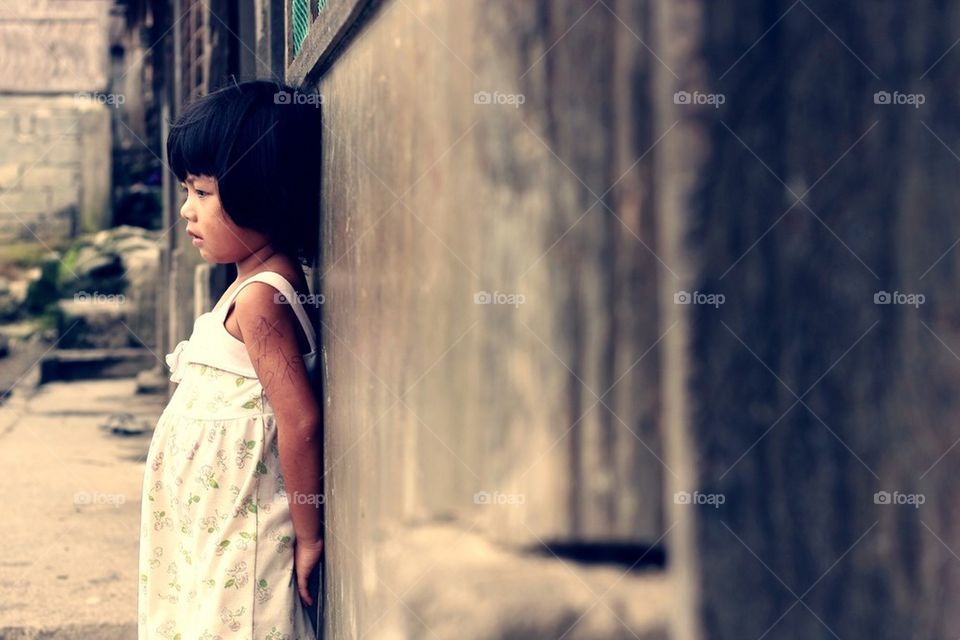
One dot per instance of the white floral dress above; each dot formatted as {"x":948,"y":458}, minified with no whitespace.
{"x":216,"y":539}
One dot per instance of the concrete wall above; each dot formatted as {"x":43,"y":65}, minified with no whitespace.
{"x":800,"y":400}
{"x":54,"y":166}
{"x":54,"y":46}
{"x":55,"y":161}
{"x":466,"y":154}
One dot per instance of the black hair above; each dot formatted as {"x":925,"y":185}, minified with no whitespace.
{"x":261,"y":141}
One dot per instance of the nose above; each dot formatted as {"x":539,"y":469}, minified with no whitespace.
{"x":185,"y":210}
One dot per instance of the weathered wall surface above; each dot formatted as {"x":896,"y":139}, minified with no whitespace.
{"x":490,"y":324}
{"x":54,"y":166}
{"x":54,"y":119}
{"x":803,"y":400}
{"x":54,"y":46}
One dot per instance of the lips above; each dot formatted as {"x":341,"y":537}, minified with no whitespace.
{"x":193,"y":235}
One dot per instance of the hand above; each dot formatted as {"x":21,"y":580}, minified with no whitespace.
{"x":306,"y":556}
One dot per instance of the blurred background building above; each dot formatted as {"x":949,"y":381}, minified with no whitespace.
{"x":55,"y":167}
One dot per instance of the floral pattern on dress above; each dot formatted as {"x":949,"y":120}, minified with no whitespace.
{"x":216,"y":548}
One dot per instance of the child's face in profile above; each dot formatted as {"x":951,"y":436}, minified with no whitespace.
{"x":216,"y":236}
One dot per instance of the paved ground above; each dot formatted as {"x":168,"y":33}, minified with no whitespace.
{"x":70,"y":511}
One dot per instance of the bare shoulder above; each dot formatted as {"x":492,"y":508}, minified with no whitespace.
{"x":254,"y":292}
{"x":257,"y":298}
{"x":260,"y":314}
{"x":261,"y":311}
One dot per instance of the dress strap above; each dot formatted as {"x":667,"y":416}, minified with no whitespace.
{"x":283,"y":285}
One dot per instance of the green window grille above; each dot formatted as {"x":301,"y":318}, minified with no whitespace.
{"x":303,"y":12}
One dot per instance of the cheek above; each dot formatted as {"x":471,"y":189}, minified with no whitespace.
{"x":230,"y":239}
{"x":224,"y":225}
{"x":213,"y":217}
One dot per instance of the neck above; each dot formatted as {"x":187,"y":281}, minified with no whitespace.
{"x":254,"y":261}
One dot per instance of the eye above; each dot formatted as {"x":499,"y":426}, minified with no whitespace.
{"x":201,"y":193}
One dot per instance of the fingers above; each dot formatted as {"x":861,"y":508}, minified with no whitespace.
{"x":304,"y":591}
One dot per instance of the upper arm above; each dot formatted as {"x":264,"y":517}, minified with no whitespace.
{"x":269,"y":331}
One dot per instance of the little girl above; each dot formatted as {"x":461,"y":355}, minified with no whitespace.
{"x":230,"y":522}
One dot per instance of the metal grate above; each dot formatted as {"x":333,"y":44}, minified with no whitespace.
{"x":303,"y":13}
{"x":300,"y":21}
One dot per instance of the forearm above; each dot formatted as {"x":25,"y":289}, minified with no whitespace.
{"x":302,"y":475}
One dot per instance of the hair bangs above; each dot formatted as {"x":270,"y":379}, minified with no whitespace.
{"x":199,"y":139}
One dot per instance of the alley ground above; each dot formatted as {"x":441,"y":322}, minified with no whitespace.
{"x":70,"y":511}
